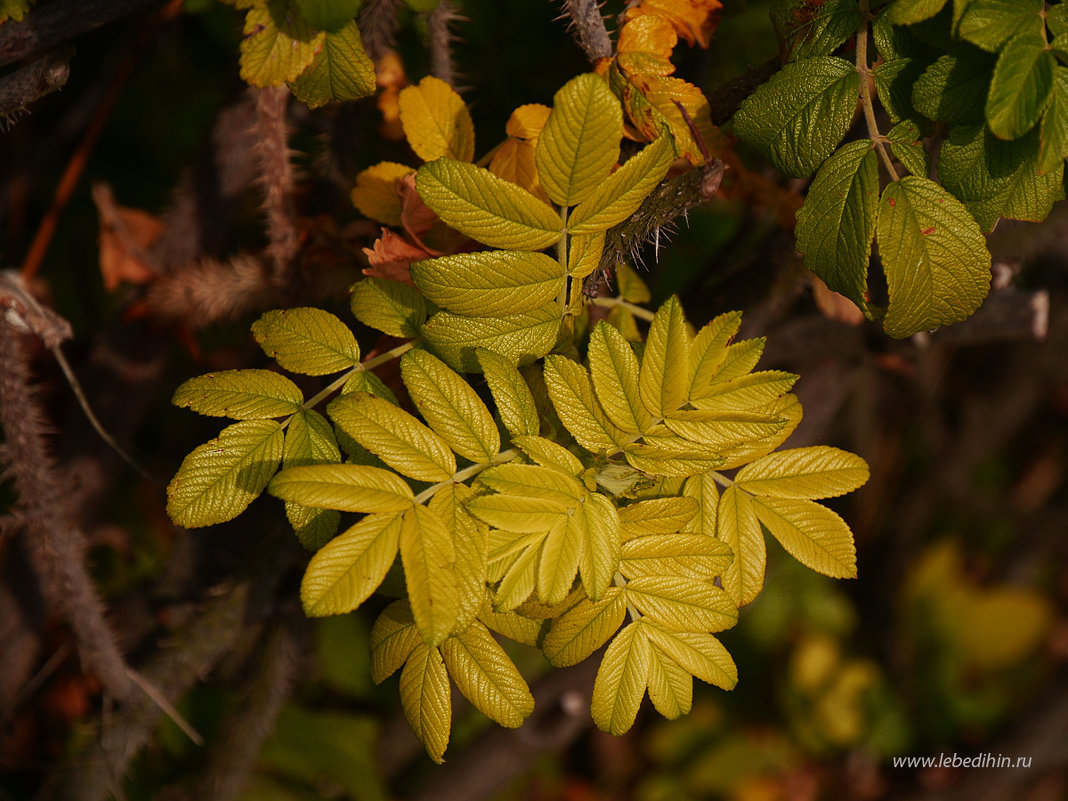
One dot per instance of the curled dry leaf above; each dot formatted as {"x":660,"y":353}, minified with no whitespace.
{"x":126,"y":235}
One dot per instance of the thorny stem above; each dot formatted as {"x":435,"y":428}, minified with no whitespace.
{"x":638,"y":311}
{"x":865,"y":91}
{"x":460,"y":476}
{"x":585,"y":15}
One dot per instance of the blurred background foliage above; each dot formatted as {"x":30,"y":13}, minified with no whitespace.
{"x":954,"y":638}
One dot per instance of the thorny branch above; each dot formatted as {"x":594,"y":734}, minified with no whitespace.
{"x":439,"y":39}
{"x":589,"y":27}
{"x":32,"y":82}
{"x":277,"y":178}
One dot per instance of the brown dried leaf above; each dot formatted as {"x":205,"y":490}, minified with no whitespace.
{"x":125,"y":237}
{"x":391,"y":255}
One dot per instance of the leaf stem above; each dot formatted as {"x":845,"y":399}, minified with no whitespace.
{"x":340,"y":381}
{"x":561,"y":257}
{"x":865,"y":91}
{"x":638,"y":311}
{"x":460,"y":476}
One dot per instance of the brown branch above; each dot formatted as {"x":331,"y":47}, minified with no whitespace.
{"x":29,"y":84}
{"x":50,"y":25}
{"x":277,"y":178}
{"x":669,"y":201}
{"x":588,"y":25}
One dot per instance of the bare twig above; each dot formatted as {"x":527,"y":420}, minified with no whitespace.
{"x":588,"y":26}
{"x":27,"y":85}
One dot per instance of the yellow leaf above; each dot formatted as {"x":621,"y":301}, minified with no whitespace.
{"x":470,"y":539}
{"x":695,"y":20}
{"x":813,"y":534}
{"x":425,"y":698}
{"x":277,"y":46}
{"x":393,"y":639}
{"x":815,"y":472}
{"x":614,"y":369}
{"x":621,"y":680}
{"x":436,"y":121}
{"x":663,"y":382}
{"x":376,"y":193}
{"x":527,"y":121}
{"x":584,"y":628}
{"x":487,"y":677}
{"x":572,"y":395}
{"x":584,"y":254}
{"x":429,"y":558}
{"x":579,"y":144}
{"x":738,"y":526}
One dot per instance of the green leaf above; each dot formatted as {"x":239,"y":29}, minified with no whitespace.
{"x":559,"y":559}
{"x":515,"y":403}
{"x":800,"y":115}
{"x":665,"y":371}
{"x":436,"y":121}
{"x":991,"y":23}
{"x":614,"y":369}
{"x":393,"y":639}
{"x":657,"y":516}
{"x":429,"y":558}
{"x":572,"y":396}
{"x":470,"y":539}
{"x":995,"y":179}
{"x":1021,"y":87}
{"x":600,"y":555}
{"x":739,"y":528}
{"x":579,"y":144}
{"x":814,"y":27}
{"x":219,"y":479}
{"x":240,"y":395}
{"x":1054,"y":133}
{"x":394,"y":436}
{"x":344,"y":573}
{"x":934,"y":255}
{"x":1057,"y":19}
{"x":836,"y":223}
{"x":584,"y":628}
{"x":389,"y":306}
{"x":894,"y":81}
{"x":341,"y":70}
{"x":426,"y":700}
{"x":520,"y":338}
{"x":547,"y":453}
{"x":307,"y":340}
{"x":328,"y":15}
{"x":954,"y":88}
{"x":681,"y":603}
{"x":813,"y":534}
{"x":309,"y":439}
{"x":621,"y":679}
{"x":906,"y":145}
{"x":701,"y":654}
{"x":670,"y":686}
{"x":484,"y":207}
{"x":450,"y":406}
{"x":490,"y":283}
{"x":345,"y":487}
{"x":487,"y":677}
{"x":277,"y":45}
{"x":909,"y":12}
{"x":812,"y":473}
{"x":620,"y":194}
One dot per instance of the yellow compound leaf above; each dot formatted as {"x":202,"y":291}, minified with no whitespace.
{"x":739,"y":527}
{"x":487,"y":677}
{"x":436,"y":121}
{"x":429,"y":558}
{"x":584,"y":628}
{"x":621,"y":679}
{"x":812,"y":534}
{"x":813,"y":473}
{"x":393,"y":639}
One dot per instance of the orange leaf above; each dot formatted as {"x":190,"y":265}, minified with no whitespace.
{"x":513,"y":159}
{"x":695,"y":20}
{"x":125,"y":237}
{"x":391,"y":256}
{"x":650,"y":35}
{"x":377,"y":192}
{"x":416,"y":218}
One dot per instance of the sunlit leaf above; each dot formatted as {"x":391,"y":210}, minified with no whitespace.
{"x":240,"y":395}
{"x":490,"y":283}
{"x":426,"y":700}
{"x":813,"y":534}
{"x":307,"y":340}
{"x":391,"y":307}
{"x":487,"y":677}
{"x":436,"y":121}
{"x":813,"y":473}
{"x":520,"y":338}
{"x":511,"y":394}
{"x":739,"y":527}
{"x":620,"y":682}
{"x":429,"y":558}
{"x":345,"y":487}
{"x":340,"y":71}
